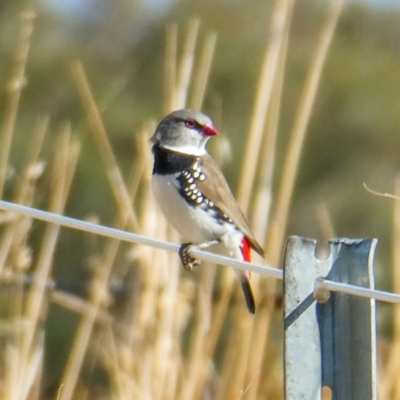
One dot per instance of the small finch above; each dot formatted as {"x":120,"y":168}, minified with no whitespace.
{"x":194,"y":196}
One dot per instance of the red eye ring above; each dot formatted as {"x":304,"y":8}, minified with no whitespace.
{"x":190,"y":123}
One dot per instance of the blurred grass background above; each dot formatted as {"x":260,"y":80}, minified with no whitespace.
{"x":352,"y":136}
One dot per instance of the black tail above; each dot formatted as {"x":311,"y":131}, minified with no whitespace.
{"x":248,"y":295}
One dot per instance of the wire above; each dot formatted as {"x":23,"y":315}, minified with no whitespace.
{"x":380,"y":295}
{"x":133,"y":238}
{"x":320,"y":284}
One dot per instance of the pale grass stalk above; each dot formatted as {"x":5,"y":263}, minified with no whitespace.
{"x":18,"y":325}
{"x":151,"y":223}
{"x":6,"y":218}
{"x":381,"y":194}
{"x":218,"y":318}
{"x":257,"y":369}
{"x":396,"y":256}
{"x":325,"y":221}
{"x":149,"y":298}
{"x":170,"y":67}
{"x":175,"y":371}
{"x":98,"y":130}
{"x":202,"y":71}
{"x":33,"y":151}
{"x":160,"y":292}
{"x":8,"y":388}
{"x":116,"y":354}
{"x":271,"y":386}
{"x":389,"y":387}
{"x":220,"y":310}
{"x":65,"y":161}
{"x":256,"y":356}
{"x":176,"y":95}
{"x":146,"y":376}
{"x":230,"y":358}
{"x":186,"y":64}
{"x":262,"y":326}
{"x":163,"y":362}
{"x":99,"y":285}
{"x":119,"y":361}
{"x":243,"y":324}
{"x":147,"y":301}
{"x":395,"y":347}
{"x":85,"y":328}
{"x":59,"y":391}
{"x":164,"y":337}
{"x":160,"y":276}
{"x":8,"y":240}
{"x":32,"y":375}
{"x":233,"y":373}
{"x":66,"y":157}
{"x":112,"y":94}
{"x":262,"y":101}
{"x":23,"y":196}
{"x":262,"y":130}
{"x":171,"y":391}
{"x":290,"y":166}
{"x":198,"y":359}
{"x":15,"y":87}
{"x":80,"y":306}
{"x":20,"y":257}
{"x":141,"y":163}
{"x":14,"y":279}
{"x":16,"y":233}
{"x":262,"y":201}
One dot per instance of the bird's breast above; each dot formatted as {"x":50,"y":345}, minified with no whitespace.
{"x":187,"y":211}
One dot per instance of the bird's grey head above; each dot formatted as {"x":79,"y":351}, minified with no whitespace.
{"x":185,"y":131}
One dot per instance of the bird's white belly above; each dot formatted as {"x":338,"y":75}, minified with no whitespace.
{"x":194,"y":224}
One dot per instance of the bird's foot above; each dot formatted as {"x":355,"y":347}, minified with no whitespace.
{"x":188,"y":261}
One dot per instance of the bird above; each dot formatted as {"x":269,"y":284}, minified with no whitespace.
{"x":194,"y":196}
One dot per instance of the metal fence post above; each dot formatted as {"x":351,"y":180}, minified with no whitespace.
{"x":333,"y":343}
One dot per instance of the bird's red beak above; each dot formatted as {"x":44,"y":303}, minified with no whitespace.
{"x":209,"y":130}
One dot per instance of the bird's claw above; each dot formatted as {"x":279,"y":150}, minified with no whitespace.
{"x":188,"y":261}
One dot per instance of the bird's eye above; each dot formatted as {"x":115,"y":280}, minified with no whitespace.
{"x":190,"y":123}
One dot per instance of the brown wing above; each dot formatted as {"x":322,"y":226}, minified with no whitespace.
{"x":218,"y":191}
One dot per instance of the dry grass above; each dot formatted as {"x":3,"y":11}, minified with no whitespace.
{"x":390,"y":369}
{"x":176,"y":337}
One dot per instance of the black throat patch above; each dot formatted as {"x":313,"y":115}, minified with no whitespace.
{"x":168,"y":162}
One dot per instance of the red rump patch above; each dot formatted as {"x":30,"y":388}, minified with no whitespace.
{"x":245,"y":249}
